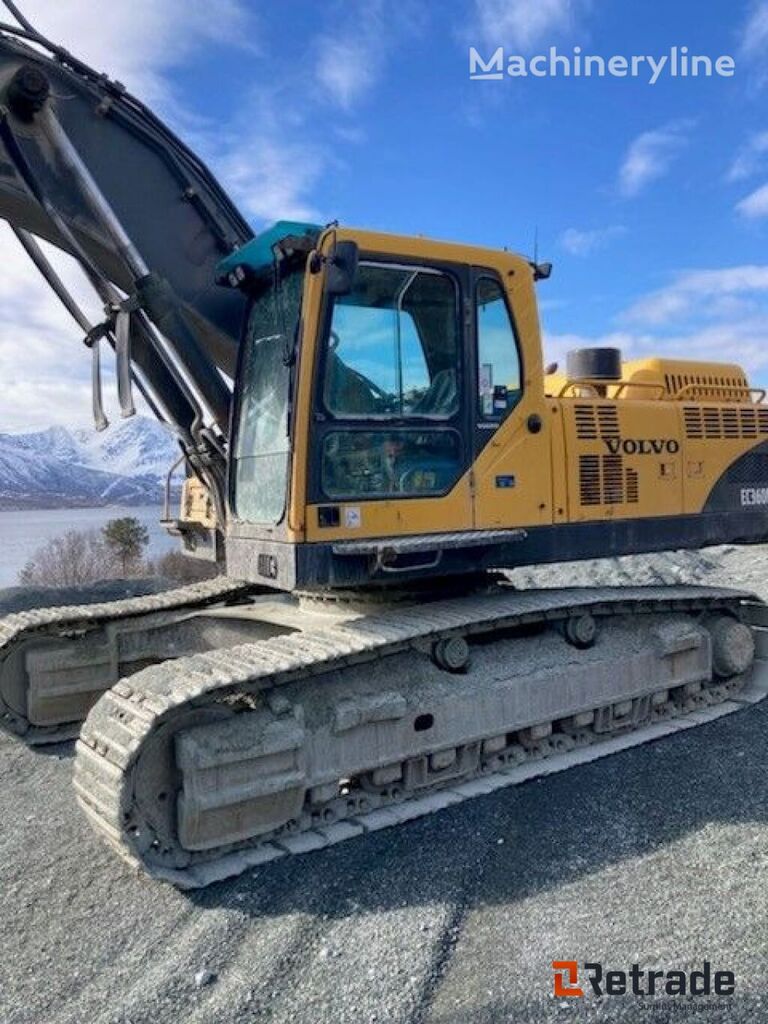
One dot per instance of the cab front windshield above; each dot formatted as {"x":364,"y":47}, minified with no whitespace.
{"x":261,"y":452}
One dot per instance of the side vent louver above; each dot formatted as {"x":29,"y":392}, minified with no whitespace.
{"x":596,"y":421}
{"x":604,"y":480}
{"x":713,"y":423}
{"x":586,"y":422}
{"x":589,"y":479}
{"x":706,"y":386}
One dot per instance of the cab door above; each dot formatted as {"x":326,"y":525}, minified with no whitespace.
{"x":512,"y":473}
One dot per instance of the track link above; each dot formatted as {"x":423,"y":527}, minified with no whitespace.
{"x":134,"y":745}
{"x":39,"y":627}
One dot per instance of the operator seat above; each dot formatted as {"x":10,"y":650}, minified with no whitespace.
{"x":440,"y":398}
{"x":347,"y":391}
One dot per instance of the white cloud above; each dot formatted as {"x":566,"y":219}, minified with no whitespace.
{"x":740,"y":341}
{"x":755,"y":204}
{"x":650,"y":156}
{"x":582,"y":243}
{"x":520,"y":25}
{"x":717,"y":315}
{"x":700,"y":293}
{"x":749,"y":159}
{"x":754,"y":36}
{"x":139,"y":42}
{"x":274,"y":153}
{"x":752,"y":47}
{"x":351,"y":56}
{"x":348,"y":67}
{"x":272,"y":176}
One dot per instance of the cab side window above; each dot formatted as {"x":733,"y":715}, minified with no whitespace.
{"x":498,"y":357}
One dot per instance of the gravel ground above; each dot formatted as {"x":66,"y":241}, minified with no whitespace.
{"x":656,"y":856}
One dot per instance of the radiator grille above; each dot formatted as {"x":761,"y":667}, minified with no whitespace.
{"x":713,"y":423}
{"x":707,"y":386}
{"x":605,"y":480}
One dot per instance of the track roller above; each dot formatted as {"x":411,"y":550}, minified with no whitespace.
{"x":580,"y":630}
{"x":451,"y":654}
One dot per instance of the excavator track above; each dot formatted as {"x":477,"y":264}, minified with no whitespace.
{"x":47,"y":710}
{"x":200,"y":768}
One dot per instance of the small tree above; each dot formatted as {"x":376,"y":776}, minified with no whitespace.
{"x":75,"y":558}
{"x":180,"y":568}
{"x":126,"y":538}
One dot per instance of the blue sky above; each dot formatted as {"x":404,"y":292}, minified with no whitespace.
{"x":651,"y":200}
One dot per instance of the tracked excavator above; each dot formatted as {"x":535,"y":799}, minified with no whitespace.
{"x":370,"y":438}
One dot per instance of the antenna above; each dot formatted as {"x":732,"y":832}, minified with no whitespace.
{"x":541,"y":271}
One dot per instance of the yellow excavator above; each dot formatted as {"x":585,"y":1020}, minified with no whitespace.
{"x":370,"y":438}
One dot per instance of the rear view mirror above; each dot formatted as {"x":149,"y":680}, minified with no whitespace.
{"x":341,"y":268}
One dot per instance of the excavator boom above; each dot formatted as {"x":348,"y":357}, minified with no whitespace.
{"x":90,"y":169}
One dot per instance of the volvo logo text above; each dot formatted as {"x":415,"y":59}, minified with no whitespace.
{"x":642,"y":446}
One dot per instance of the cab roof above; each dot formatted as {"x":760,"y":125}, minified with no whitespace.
{"x":257,"y":256}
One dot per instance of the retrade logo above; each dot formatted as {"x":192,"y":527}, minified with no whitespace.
{"x":566,"y":976}
{"x":639,"y":982}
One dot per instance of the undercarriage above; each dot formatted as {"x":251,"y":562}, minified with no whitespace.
{"x":316,"y":720}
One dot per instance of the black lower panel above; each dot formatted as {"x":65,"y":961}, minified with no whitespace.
{"x":744,"y":485}
{"x":318,"y":566}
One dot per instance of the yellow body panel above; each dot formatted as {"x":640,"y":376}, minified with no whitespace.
{"x":297,"y":504}
{"x":513,"y":450}
{"x":395,"y":517}
{"x":653,"y":444}
{"x":458,"y":510}
{"x":681,"y":378}
{"x":564,"y":473}
{"x":603,"y":484}
{"x":553,"y":482}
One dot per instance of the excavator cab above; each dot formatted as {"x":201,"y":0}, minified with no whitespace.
{"x":373,"y":372}
{"x":388,"y":357}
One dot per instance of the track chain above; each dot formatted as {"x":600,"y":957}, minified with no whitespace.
{"x":72,"y":620}
{"x":123,"y":720}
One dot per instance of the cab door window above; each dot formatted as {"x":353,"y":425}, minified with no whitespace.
{"x":394,"y":346}
{"x":498,"y":357}
{"x":391,"y":391}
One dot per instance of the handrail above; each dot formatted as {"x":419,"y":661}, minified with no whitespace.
{"x":722,"y":389}
{"x":619,"y":385}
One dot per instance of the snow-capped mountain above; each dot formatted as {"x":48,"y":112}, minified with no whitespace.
{"x":58,"y":468}
{"x":135,"y":447}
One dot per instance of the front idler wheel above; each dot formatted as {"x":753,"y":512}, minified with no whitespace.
{"x":733,"y":646}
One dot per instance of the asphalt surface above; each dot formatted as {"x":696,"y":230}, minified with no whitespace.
{"x":656,"y":856}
